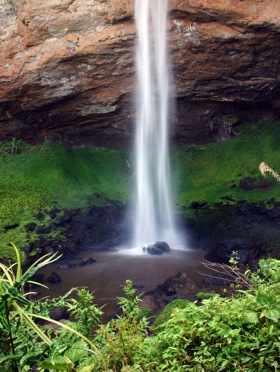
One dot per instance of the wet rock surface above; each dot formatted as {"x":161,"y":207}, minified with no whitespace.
{"x":54,"y":278}
{"x":157,"y":248}
{"x":178,"y":286}
{"x":67,"y":69}
{"x":247,"y":251}
{"x":58,"y":313}
{"x":71,"y":230}
{"x":251,"y":229}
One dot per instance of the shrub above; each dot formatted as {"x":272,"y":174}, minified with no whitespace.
{"x":24,"y":343}
{"x":121,"y":338}
{"x":241,"y":333}
{"x":167,"y":312}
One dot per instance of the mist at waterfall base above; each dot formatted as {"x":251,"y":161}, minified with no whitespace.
{"x":152,"y":214}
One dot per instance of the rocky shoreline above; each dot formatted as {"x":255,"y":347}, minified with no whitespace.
{"x":249,"y":228}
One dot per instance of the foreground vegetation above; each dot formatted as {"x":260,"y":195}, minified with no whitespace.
{"x":236,"y":333}
{"x":35,"y":178}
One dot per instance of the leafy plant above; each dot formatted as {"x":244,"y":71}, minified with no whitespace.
{"x":121,"y":338}
{"x":165,"y":315}
{"x":13,"y":146}
{"x":12,"y":297}
{"x":23,"y":342}
{"x":86,"y":314}
{"x":130,"y":303}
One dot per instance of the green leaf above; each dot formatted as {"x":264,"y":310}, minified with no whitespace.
{"x":271,"y":329}
{"x":275,"y":365}
{"x":272,"y":314}
{"x":77,"y":351}
{"x":251,"y":317}
{"x":18,"y":272}
{"x":86,"y":369}
{"x":224,"y":364}
{"x":263,"y":300}
{"x":29,"y":355}
{"x":245,"y":359}
{"x":57,"y":363}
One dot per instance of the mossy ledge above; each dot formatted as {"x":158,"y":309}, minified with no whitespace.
{"x":220,"y":193}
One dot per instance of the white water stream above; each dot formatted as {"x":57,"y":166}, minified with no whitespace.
{"x":154,"y":213}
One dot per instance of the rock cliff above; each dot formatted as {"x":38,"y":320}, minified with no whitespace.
{"x":67,"y":68}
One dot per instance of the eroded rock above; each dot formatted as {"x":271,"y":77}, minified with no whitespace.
{"x":67,"y":68}
{"x":178,"y":286}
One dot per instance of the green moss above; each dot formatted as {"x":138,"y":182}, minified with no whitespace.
{"x":36,"y":177}
{"x":205,"y":295}
{"x":146,"y":312}
{"x":8,"y":254}
{"x":210,"y":172}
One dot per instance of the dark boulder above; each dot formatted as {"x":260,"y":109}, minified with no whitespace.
{"x":198,"y":204}
{"x":43,"y":229}
{"x":178,"y":286}
{"x":221,"y":251}
{"x":66,"y":266}
{"x":87,"y":261}
{"x":158,"y":248}
{"x":52,"y":215}
{"x":54,"y":278}
{"x":40,"y":216}
{"x":66,"y":216}
{"x":250,"y":183}
{"x":30,"y":226}
{"x":58,"y":313}
{"x":153,"y":250}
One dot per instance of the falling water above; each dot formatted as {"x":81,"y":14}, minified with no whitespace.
{"x":154,"y":215}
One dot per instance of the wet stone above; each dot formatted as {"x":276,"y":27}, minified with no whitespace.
{"x":158,"y":248}
{"x":54,"y":278}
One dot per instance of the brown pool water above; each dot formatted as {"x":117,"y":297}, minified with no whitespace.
{"x":110,"y":271}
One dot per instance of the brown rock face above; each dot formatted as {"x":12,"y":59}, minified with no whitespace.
{"x":67,"y":68}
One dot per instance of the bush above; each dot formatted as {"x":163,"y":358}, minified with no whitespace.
{"x":167,"y":312}
{"x":241,"y":333}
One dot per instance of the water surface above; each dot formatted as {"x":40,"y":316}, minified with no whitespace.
{"x":107,"y":275}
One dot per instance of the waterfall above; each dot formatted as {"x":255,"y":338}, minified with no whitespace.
{"x":154,"y":214}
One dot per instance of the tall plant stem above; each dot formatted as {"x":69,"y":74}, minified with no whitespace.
{"x":11,"y":336}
